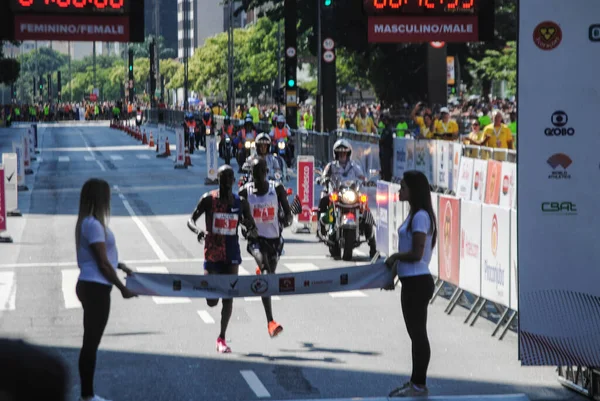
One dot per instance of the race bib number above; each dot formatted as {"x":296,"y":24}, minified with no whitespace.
{"x":225,"y":223}
{"x":264,"y":214}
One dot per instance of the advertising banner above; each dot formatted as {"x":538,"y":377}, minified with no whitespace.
{"x":305,"y":189}
{"x":423,"y":160}
{"x":456,"y":149}
{"x":18,"y":150}
{"x":11,"y":190}
{"x":558,"y":217}
{"x":180,"y":155}
{"x":410,"y":154}
{"x":383,"y":228}
{"x":465,"y":178}
{"x":479,"y":180}
{"x":400,"y":157}
{"x":433,"y":265}
{"x":212,"y":157}
{"x":26,"y":150}
{"x":495,"y":254}
{"x":396,"y":213}
{"x":443,"y":162}
{"x":35,"y":135}
{"x":350,"y":278}
{"x":2,"y":201}
{"x":448,"y":239}
{"x":508,"y":193}
{"x":67,"y":28}
{"x":31,"y":132}
{"x":470,"y":247}
{"x":493,"y":182}
{"x":514,"y":272}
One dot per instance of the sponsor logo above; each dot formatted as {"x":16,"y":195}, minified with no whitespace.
{"x":594,"y":33}
{"x":494,"y":272}
{"x":505,"y":185}
{"x":204,"y":287}
{"x":559,"y":208}
{"x":468,"y":248}
{"x":204,"y":283}
{"x":559,"y":120}
{"x":559,"y":160}
{"x":307,"y":283}
{"x":547,"y":35}
{"x":232,"y":285}
{"x":176,"y":285}
{"x":447,"y":238}
{"x":259,"y":286}
{"x":494,"y":235}
{"x":476,"y":180}
{"x":9,"y":177}
{"x":287,"y":284}
{"x":343,"y":279}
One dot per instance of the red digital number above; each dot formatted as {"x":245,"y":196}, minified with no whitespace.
{"x":26,"y":3}
{"x":117,"y":4}
{"x":467,"y":5}
{"x":63,"y":3}
{"x":379,"y":4}
{"x":100,"y":3}
{"x":79,"y":3}
{"x":452,"y":4}
{"x":397,"y":3}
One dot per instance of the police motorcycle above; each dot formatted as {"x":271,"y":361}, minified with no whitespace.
{"x":277,"y":169}
{"x":248,"y":147}
{"x":282,"y":146}
{"x":138,"y":118}
{"x":190,"y":127}
{"x":205,"y":128}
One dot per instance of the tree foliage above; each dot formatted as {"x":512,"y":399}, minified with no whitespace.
{"x":143,"y":49}
{"x":498,"y":65}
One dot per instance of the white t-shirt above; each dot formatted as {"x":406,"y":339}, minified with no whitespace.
{"x":93,"y":232}
{"x":421,"y":223}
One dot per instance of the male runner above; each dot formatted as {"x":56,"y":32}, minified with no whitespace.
{"x":223,"y":210}
{"x":271,"y":212}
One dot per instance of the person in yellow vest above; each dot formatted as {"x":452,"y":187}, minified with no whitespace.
{"x":425,"y":123}
{"x":497,"y":134}
{"x":401,"y":127}
{"x":445,"y":128}
{"x":254,"y":113}
{"x":475,"y":137}
{"x":96,"y":111}
{"x":238,"y":113}
{"x":364,"y":123}
{"x":308,"y":119}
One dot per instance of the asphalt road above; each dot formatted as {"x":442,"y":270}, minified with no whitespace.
{"x":353,"y":345}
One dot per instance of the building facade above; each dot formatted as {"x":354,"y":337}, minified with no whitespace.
{"x":166,"y":11}
{"x":204,"y":22}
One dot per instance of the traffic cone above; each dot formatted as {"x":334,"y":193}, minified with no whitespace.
{"x":144,"y":139}
{"x":151,"y":144}
{"x":167,"y":148}
{"x":188,"y":160}
{"x":157,"y":142}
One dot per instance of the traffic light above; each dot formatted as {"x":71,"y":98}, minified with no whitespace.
{"x":130,"y":83}
{"x":327,"y":3}
{"x":58,"y":86}
{"x":41,"y":86}
{"x":291,"y":60}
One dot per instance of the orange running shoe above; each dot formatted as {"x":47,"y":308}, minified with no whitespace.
{"x":274,"y":328}
{"x":258,"y":272}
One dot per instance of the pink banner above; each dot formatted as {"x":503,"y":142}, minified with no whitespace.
{"x":306,"y":168}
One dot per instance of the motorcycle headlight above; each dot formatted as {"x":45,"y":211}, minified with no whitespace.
{"x":252,"y":145}
{"x":349,"y":197}
{"x":247,"y":145}
{"x":227,"y":139}
{"x":277,"y":175}
{"x":281,"y":145}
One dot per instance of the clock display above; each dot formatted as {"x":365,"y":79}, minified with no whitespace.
{"x":71,"y":6}
{"x":421,"y":7}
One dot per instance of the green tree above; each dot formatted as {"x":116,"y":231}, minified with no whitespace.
{"x":498,"y":65}
{"x":143,"y":49}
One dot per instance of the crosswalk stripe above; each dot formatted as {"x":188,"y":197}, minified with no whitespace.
{"x":348,"y":294}
{"x":89,"y":158}
{"x":206,"y":317}
{"x":143,"y":157}
{"x":63,"y":158}
{"x":162,"y":300}
{"x":116,"y":157}
{"x":69,"y":282}
{"x":8,"y":291}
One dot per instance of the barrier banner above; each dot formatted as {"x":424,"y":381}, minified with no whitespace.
{"x":558,"y":217}
{"x":229,"y":286}
{"x":382,"y":229}
{"x":508,"y":195}
{"x":514,"y":273}
{"x":423,"y":160}
{"x":410,"y":154}
{"x":495,"y":254}
{"x":433,"y":167}
{"x":400,"y":157}
{"x":11,"y":190}
{"x":456,"y":149}
{"x":305,"y":187}
{"x":212,"y":157}
{"x":465,"y":178}
{"x":162,"y":144}
{"x":479,"y":180}
{"x":31,"y":133}
{"x":448,"y":239}
{"x":26,"y":151}
{"x":18,"y":150}
{"x":433,"y":265}
{"x":493,"y":182}
{"x":470,"y":247}
{"x":443,"y":164}
{"x":396,"y":215}
{"x":180,"y":156}
{"x":35,"y":135}
{"x":2,"y":202}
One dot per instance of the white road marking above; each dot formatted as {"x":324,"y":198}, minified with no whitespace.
{"x":100,"y":165}
{"x":153,"y":244}
{"x":91,"y":155}
{"x":63,"y":159}
{"x":359,"y":253}
{"x":162,"y":300}
{"x":301,"y":267}
{"x":39,"y":159}
{"x":8,"y":291}
{"x":116,"y":157}
{"x":89,"y":158}
{"x":348,"y":294}
{"x":69,"y":281}
{"x":255,"y":384}
{"x":143,"y":157}
{"x":242,"y":271}
{"x":206,"y":317}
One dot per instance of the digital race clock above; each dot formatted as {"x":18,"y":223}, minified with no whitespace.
{"x":89,"y":7}
{"x":421,"y":7}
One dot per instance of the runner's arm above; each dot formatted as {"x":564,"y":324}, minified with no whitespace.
{"x":282,"y":198}
{"x":247,"y":219}
{"x":203,"y":206}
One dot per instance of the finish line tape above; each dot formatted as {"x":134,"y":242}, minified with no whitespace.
{"x":352,"y":278}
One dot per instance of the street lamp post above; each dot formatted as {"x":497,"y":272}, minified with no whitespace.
{"x":186,"y":52}
{"x":230,"y":59}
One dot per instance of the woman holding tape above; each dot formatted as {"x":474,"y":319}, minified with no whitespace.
{"x":416,"y":239}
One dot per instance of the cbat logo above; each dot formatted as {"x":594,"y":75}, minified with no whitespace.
{"x":559,"y":120}
{"x":559,"y":160}
{"x":559,"y":208}
{"x":547,"y":35}
{"x":287,"y":284}
{"x":259,"y":286}
{"x":447,"y":238}
{"x":494,"y":235}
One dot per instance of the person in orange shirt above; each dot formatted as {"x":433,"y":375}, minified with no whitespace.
{"x":497,"y":134}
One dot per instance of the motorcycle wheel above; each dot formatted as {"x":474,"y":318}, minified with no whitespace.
{"x":349,"y":239}
{"x":334,"y":251}
{"x":227,"y":158}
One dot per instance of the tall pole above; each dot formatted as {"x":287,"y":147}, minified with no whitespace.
{"x":278,"y":87}
{"x":94,"y":61}
{"x":70,"y":77}
{"x":230,"y":60}
{"x":37,"y":68}
{"x":157,"y":46}
{"x":319,"y":66}
{"x":186,"y":51}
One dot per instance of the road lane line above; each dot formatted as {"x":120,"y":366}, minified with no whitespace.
{"x":89,"y":158}
{"x":8,"y":291}
{"x":116,"y":157}
{"x":162,"y":300}
{"x":348,"y":294}
{"x":143,"y":157}
{"x":255,"y":384}
{"x":63,"y":159}
{"x":69,"y":282}
{"x":301,"y":267}
{"x":206,"y":317}
{"x":100,"y":165}
{"x":153,"y":244}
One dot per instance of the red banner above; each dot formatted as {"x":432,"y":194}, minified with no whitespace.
{"x":402,"y":29}
{"x":306,"y":168}
{"x":83,"y":29}
{"x":449,"y":235}
{"x":2,"y":202}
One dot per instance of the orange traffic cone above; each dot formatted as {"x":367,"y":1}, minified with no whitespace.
{"x":151,"y":144}
{"x":188,"y":160}
{"x":167,"y":148}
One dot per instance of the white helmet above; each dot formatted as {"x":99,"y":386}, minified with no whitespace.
{"x":342,"y":146}
{"x":281,"y":119}
{"x":263,"y":138}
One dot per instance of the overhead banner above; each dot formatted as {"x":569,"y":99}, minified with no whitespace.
{"x":212,"y":157}
{"x":229,"y":286}
{"x":11,"y":190}
{"x":559,"y":290}
{"x":305,"y":189}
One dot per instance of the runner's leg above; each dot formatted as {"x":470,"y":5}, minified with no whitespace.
{"x":227,"y":307}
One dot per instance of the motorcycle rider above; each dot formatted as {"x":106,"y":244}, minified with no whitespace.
{"x":281,"y":131}
{"x":271,"y":213}
{"x":274,"y":162}
{"x":222,"y":253}
{"x":226,"y":131}
{"x":189,"y":128}
{"x":248,"y":132}
{"x":344,"y":168}
{"x":205,"y":122}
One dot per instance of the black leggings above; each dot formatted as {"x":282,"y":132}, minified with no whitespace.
{"x":227,"y":308}
{"x":416,"y":293}
{"x":265,"y":253}
{"x":95,"y":299}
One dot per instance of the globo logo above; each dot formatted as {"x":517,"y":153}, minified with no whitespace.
{"x":594,"y":33}
{"x":559,"y":120}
